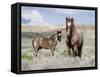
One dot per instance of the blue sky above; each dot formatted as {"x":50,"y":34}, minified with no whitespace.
{"x":55,"y":16}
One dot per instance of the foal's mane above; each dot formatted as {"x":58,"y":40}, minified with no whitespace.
{"x":53,"y":35}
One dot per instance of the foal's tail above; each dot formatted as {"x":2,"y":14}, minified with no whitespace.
{"x":33,"y":43}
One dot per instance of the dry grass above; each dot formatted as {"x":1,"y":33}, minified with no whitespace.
{"x":61,"y":59}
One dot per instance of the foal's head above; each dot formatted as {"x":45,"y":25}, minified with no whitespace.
{"x":69,"y":25}
{"x":59,"y":35}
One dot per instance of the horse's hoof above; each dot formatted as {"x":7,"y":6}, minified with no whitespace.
{"x":53,"y":55}
{"x":36,"y":55}
{"x":79,"y":56}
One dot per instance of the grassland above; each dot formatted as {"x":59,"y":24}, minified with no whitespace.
{"x":61,"y":59}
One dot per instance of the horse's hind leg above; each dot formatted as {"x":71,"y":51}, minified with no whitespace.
{"x":80,"y":50}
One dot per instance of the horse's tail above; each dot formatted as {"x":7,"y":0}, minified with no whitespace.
{"x":33,"y":43}
{"x":82,"y":38}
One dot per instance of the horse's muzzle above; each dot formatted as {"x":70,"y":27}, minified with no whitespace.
{"x":68,"y":34}
{"x":59,"y":39}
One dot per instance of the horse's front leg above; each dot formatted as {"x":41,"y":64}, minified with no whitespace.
{"x":75,"y":50}
{"x":69,"y":50}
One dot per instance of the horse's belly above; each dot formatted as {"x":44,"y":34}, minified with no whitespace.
{"x":77,"y":39}
{"x":46,"y":45}
{"x":80,"y":38}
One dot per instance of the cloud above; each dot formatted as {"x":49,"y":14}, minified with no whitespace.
{"x":45,"y":16}
{"x":31,"y":17}
{"x":73,"y":11}
{"x":66,"y":11}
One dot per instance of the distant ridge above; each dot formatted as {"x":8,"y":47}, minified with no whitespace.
{"x":48,"y":27}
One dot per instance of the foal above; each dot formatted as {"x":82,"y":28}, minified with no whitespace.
{"x":46,"y":43}
{"x":74,"y":40}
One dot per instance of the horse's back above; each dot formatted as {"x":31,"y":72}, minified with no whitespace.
{"x":43,"y":42}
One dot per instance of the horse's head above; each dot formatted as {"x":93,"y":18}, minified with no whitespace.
{"x":59,"y":35}
{"x":69,"y":25}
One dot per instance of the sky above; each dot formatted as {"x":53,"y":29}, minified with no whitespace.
{"x":55,"y":16}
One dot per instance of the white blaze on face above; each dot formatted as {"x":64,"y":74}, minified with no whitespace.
{"x":69,"y":25}
{"x":59,"y":34}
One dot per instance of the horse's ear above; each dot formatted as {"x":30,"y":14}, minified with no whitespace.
{"x":66,"y":18}
{"x":72,"y":20}
{"x":59,"y":31}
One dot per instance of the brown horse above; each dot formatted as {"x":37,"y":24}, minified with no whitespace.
{"x":41,"y":42}
{"x":74,"y":40}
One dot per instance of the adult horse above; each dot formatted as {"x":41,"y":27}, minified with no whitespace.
{"x":74,"y":40}
{"x":41,"y":42}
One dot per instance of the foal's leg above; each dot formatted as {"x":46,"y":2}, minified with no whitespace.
{"x":52,"y":51}
{"x":36,"y":50}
